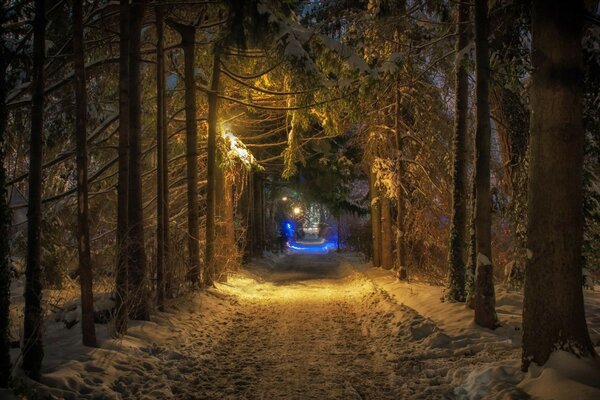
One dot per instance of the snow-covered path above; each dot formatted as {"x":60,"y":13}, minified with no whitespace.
{"x":305,"y":326}
{"x":308,"y":327}
{"x":296,"y":335}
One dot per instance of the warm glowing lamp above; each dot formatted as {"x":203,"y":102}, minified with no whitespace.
{"x":284,"y":198}
{"x":297,"y":210}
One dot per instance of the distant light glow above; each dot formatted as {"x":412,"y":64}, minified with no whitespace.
{"x":321,"y":247}
{"x":297,"y":210}
{"x":284,"y":198}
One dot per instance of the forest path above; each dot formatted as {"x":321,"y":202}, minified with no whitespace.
{"x":307,"y":327}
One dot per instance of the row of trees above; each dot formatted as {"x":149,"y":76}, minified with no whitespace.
{"x":545,"y":186}
{"x":179,"y":112}
{"x":138,"y":288}
{"x":276,"y":84}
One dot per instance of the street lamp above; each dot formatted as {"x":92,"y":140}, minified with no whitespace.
{"x":297,"y":210}
{"x":284,"y":198}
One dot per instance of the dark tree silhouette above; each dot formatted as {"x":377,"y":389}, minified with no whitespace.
{"x":5,"y":221}
{"x":484,"y":300}
{"x":83,"y":227}
{"x":458,"y":228}
{"x":123,"y":180}
{"x":553,"y":310}
{"x":33,"y":351}
{"x":137,"y":274}
{"x":213,"y":104}
{"x":162,"y":164}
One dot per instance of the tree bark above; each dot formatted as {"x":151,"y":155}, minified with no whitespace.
{"x":5,"y":222}
{"x":33,"y":351}
{"x":221,"y":252}
{"x":387,"y":252}
{"x":401,"y":265}
{"x":484,"y":299}
{"x":138,"y":279}
{"x":88,"y":329}
{"x":122,"y":286}
{"x":375,"y":220}
{"x":553,"y":310}
{"x":458,"y":227}
{"x":247,"y":209}
{"x":161,"y":162}
{"x":213,"y":104}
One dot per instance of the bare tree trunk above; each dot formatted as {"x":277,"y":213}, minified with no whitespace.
{"x":375,"y":220}
{"x":122,"y":286}
{"x":401,"y":266}
{"x":553,"y":310}
{"x":247,"y":208}
{"x":33,"y":351}
{"x":458,"y":228}
{"x":387,"y":252}
{"x":138,"y":279}
{"x":221,"y":252}
{"x":161,"y":161}
{"x":484,"y":300}
{"x":5,"y":222}
{"x":88,"y":329}
{"x":229,"y":219}
{"x":213,"y":104}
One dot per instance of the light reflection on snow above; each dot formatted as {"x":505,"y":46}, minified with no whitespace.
{"x":317,"y":247}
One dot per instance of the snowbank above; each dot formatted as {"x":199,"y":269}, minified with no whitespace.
{"x":563,"y":377}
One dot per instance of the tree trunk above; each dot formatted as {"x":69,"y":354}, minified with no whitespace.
{"x":387,"y":252}
{"x":188,"y":37}
{"x":484,"y":299}
{"x":88,"y":329}
{"x":553,"y":310}
{"x":213,"y":105}
{"x":471,"y":250}
{"x":458,"y":228}
{"x":122,"y":286}
{"x":33,"y":351}
{"x":221,"y":252}
{"x":138,"y":279}
{"x":5,"y":222}
{"x":161,"y":161}
{"x":247,"y":208}
{"x":401,"y":266}
{"x":375,"y":220}
{"x":229,"y":220}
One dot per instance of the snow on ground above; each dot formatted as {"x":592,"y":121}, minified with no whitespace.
{"x":563,"y":377}
{"x":313,"y":326}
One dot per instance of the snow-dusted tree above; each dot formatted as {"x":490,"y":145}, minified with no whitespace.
{"x":484,"y":299}
{"x":460,"y":192}
{"x":553,"y":310}
{"x":137,"y":273}
{"x":83,"y":227}
{"x":375,"y":219}
{"x":5,"y":221}
{"x":162,"y":163}
{"x":121,"y":316}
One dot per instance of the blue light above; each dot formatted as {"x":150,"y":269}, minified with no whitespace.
{"x":311,"y":248}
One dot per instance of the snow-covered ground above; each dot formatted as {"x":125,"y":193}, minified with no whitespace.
{"x":314,"y":326}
